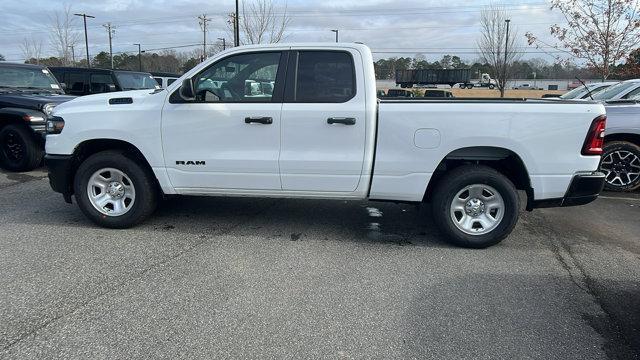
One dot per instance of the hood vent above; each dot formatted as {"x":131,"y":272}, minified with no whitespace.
{"x":119,"y":101}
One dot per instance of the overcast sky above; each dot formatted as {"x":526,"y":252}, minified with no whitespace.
{"x":389,"y":27}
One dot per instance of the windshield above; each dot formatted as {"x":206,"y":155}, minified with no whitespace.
{"x":136,"y":81}
{"x":614,"y":90}
{"x":28,"y":78}
{"x":581,"y":91}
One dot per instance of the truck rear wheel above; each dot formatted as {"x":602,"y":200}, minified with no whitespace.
{"x":491,"y":86}
{"x":113,"y":191}
{"x":475,"y":206}
{"x":621,"y":165}
{"x":469,"y":86}
{"x":19,"y":150}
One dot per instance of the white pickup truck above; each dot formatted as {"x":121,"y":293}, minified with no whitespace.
{"x":303,"y":121}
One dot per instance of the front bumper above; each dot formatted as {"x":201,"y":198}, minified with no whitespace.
{"x":60,"y":174}
{"x":584,"y":188}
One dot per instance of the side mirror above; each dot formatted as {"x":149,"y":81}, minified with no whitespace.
{"x":187,"y":91}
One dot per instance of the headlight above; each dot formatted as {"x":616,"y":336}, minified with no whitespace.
{"x":54,"y":125}
{"x":48,"y":108}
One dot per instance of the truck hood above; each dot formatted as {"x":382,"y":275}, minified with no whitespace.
{"x":31,"y":101}
{"x":105,"y":100}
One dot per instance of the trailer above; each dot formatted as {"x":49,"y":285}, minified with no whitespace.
{"x":411,"y":77}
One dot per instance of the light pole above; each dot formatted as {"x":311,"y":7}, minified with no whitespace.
{"x":73,"y":54}
{"x":224,"y":43}
{"x":236,"y":25}
{"x":86,"y":39}
{"x":506,"y":47}
{"x":335,"y":31}
{"x":139,"y":58}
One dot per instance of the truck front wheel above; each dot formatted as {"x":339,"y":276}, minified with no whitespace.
{"x":491,"y":86}
{"x":19,"y":150}
{"x":475,"y":206}
{"x":113,"y":191}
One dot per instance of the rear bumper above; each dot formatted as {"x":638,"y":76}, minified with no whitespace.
{"x":60,"y":175}
{"x":584,"y":188}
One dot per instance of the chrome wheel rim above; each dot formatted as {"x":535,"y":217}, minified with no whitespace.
{"x":111,"y":192}
{"x":477,"y":209}
{"x":621,"y":168}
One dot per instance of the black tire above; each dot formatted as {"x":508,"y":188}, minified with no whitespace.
{"x":491,"y":86}
{"x":146,"y":192}
{"x":469,"y":86}
{"x":19,"y":149}
{"x":613,"y":165}
{"x":455,"y":181}
{"x":462,"y":86}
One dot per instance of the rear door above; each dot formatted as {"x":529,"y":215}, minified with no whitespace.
{"x":323,"y":122}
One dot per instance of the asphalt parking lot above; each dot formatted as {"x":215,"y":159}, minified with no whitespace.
{"x":263,"y":278}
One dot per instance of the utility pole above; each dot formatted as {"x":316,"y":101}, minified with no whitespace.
{"x":224,"y":43}
{"x":86,"y":38}
{"x":335,"y":31}
{"x":139,"y":58}
{"x":203,"y":24}
{"x":236,"y":25}
{"x":111,"y":32}
{"x":506,"y":50}
{"x":73,"y":54}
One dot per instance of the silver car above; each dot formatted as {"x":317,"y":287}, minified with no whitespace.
{"x":621,"y":158}
{"x":624,"y":90}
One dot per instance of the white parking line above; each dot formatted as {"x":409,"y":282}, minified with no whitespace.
{"x":619,"y":198}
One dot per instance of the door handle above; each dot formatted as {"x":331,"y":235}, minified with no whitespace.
{"x":259,"y":119}
{"x":341,"y":120}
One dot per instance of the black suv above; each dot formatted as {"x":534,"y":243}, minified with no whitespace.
{"x":83,"y":81}
{"x":28,"y":94}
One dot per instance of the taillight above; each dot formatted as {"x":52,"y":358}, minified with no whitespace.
{"x":595,"y":137}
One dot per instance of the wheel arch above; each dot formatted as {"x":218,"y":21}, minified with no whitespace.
{"x":93,"y":146}
{"x":629,"y":137}
{"x":503,"y":160}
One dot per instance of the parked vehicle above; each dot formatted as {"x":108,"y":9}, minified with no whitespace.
{"x":526,"y":87}
{"x":582,"y":92}
{"x":322,"y":134}
{"x":86,"y":81}
{"x":28,"y":94}
{"x":623,"y":90}
{"x":165,"y":79}
{"x":439,"y":93}
{"x":394,"y":93}
{"x":409,"y":78}
{"x":621,"y":158}
{"x":485,"y":82}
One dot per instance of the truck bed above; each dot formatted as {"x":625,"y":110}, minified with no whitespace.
{"x":415,"y":135}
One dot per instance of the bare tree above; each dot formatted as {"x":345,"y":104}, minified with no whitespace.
{"x":496,"y":47}
{"x":63,"y":34}
{"x":31,"y":49}
{"x":262,"y":23}
{"x":600,"y":32}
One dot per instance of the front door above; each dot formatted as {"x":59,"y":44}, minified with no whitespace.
{"x":323,"y":123}
{"x":229,"y":136}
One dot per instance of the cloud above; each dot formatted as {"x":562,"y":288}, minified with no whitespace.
{"x":392,"y":28}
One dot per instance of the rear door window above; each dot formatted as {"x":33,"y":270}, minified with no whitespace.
{"x":323,"y":77}
{"x":76,"y":83}
{"x":101,"y":82}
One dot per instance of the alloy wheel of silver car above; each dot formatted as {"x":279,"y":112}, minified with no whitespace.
{"x":621,"y":167}
{"x":111,"y":192}
{"x":477,"y":209}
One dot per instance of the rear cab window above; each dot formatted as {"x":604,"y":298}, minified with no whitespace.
{"x":326,"y":76}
